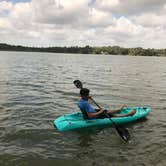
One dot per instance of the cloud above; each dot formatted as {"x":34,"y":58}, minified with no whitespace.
{"x":107,"y":5}
{"x":94,"y":22}
{"x":125,"y":27}
{"x":59,"y":12}
{"x":124,"y":7}
{"x":151,"y":20}
{"x":4,"y":5}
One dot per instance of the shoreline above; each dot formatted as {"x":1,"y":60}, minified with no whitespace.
{"x":103,"y":50}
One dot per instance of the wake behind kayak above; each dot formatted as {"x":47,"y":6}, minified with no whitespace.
{"x":76,"y":121}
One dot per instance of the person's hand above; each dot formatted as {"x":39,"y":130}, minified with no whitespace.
{"x":102,"y":111}
{"x":89,"y":97}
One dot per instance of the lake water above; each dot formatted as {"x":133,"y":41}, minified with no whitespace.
{"x":36,"y":88}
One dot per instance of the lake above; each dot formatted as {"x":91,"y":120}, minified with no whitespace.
{"x":36,"y":88}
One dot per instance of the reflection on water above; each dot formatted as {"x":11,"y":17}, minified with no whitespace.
{"x":36,"y":88}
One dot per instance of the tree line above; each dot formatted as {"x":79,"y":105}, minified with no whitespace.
{"x":112,"y":50}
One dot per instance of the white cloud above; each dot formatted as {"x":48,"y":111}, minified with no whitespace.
{"x":4,"y":5}
{"x":165,"y":6}
{"x":81,"y":22}
{"x":4,"y":24}
{"x":130,"y":6}
{"x":151,"y":20}
{"x":107,"y":4}
{"x":59,"y":12}
{"x":97,"y":18}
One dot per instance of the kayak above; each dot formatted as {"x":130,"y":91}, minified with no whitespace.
{"x":76,"y":121}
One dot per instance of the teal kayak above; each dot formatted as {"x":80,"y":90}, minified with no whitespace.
{"x":76,"y":121}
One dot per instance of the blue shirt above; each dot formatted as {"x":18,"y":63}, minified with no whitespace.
{"x":85,"y":106}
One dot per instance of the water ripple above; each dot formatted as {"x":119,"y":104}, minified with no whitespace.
{"x":36,"y":88}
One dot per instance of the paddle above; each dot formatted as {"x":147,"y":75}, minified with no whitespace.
{"x":123,"y":132}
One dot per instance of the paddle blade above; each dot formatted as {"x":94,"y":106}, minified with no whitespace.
{"x":78,"y":84}
{"x":123,"y":132}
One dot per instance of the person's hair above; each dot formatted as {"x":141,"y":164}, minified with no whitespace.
{"x":84,"y":92}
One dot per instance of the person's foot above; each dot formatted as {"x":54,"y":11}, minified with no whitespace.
{"x":131,"y":113}
{"x":123,"y":106}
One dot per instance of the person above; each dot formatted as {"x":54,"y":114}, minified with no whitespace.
{"x":90,"y":113}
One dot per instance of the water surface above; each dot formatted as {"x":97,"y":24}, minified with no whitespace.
{"x":36,"y":88}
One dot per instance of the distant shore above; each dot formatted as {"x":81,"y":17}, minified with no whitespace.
{"x":108,"y":50}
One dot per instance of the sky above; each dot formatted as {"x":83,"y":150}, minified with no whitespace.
{"x":126,"y":23}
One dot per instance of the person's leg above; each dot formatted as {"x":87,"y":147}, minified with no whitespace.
{"x":113,"y":111}
{"x":116,"y":111}
{"x":124,"y":115}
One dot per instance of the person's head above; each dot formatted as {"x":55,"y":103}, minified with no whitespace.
{"x":84,"y":92}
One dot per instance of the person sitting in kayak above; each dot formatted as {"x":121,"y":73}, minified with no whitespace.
{"x":90,"y":113}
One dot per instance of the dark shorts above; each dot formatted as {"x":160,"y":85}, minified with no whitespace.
{"x":103,"y":115}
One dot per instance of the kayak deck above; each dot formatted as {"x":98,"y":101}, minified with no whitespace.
{"x":75,"y":121}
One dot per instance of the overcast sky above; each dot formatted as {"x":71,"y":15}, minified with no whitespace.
{"x":127,"y":23}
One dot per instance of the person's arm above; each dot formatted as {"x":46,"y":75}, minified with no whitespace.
{"x":92,"y":115}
